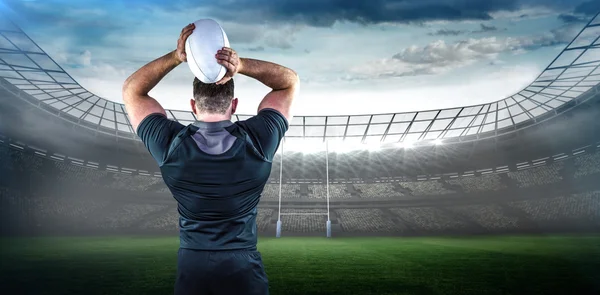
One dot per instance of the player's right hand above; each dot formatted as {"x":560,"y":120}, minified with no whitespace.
{"x":180,"y":51}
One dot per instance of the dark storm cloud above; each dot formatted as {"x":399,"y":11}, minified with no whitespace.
{"x":582,"y":12}
{"x":569,"y":18}
{"x":486,"y":29}
{"x":88,"y":26}
{"x":319,"y":13}
{"x":325,"y":13}
{"x":91,"y":22}
{"x":588,"y":8}
{"x":449,"y":32}
{"x":445,"y":32}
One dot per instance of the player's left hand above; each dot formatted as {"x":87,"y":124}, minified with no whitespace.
{"x":228,"y":58}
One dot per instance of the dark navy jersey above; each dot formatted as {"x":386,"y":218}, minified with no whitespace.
{"x":216,"y":171}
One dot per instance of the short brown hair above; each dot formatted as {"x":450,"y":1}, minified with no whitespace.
{"x":213,"y":98}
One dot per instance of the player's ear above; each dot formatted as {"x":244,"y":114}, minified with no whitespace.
{"x":193,"y":104}
{"x":234,"y":104}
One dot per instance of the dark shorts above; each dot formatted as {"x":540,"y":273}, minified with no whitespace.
{"x":220,"y":272}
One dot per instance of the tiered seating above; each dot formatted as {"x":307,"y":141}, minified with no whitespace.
{"x":338,"y":191}
{"x":43,"y":211}
{"x":377,"y":190}
{"x":164,"y":190}
{"x":167,"y":221}
{"x":122,"y":181}
{"x":80,"y":175}
{"x":7,"y":194}
{"x":123,"y":216}
{"x":303,"y":223}
{"x":490,"y":217}
{"x":85,"y":213}
{"x":263,"y":219}
{"x":271,"y":191}
{"x":18,"y":161}
{"x":53,"y":207}
{"x":548,"y":212}
{"x":587,"y":164}
{"x":538,"y":175}
{"x":490,"y":182}
{"x":317,"y":191}
{"x":365,"y":221}
{"x":427,"y":219}
{"x":290,"y":191}
{"x":429,"y":187}
{"x":12,"y":202}
{"x":4,"y":155}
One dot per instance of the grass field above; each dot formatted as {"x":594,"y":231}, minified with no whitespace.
{"x":477,"y":265}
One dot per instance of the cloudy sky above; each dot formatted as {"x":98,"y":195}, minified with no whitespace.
{"x":353,"y":56}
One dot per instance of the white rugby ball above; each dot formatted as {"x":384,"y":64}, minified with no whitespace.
{"x":200,"y":48}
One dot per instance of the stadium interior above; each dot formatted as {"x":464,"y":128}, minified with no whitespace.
{"x":527,"y":165}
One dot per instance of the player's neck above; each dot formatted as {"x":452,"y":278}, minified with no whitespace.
{"x":205,"y":117}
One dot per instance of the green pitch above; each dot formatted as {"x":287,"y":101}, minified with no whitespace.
{"x":477,"y":265}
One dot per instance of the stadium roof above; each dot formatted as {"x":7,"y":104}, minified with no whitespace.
{"x":574,"y":72}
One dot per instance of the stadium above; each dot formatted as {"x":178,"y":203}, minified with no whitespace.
{"x":495,"y":198}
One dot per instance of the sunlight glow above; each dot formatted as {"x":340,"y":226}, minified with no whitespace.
{"x":407,"y":144}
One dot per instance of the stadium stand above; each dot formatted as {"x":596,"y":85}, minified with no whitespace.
{"x":538,"y":175}
{"x":263,"y":219}
{"x":587,"y":164}
{"x":365,"y":221}
{"x":490,"y":182}
{"x":271,"y":191}
{"x":491,"y":217}
{"x":339,"y":191}
{"x":299,"y":223}
{"x":317,"y":191}
{"x":80,"y":209}
{"x":548,"y":213}
{"x":50,"y":211}
{"x":428,"y":219}
{"x":121,"y":181}
{"x":290,"y":191}
{"x":377,"y":190}
{"x":124,"y":216}
{"x":82,"y":175}
{"x":167,"y":221}
{"x":429,"y":187}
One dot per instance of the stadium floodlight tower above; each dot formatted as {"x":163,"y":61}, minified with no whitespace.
{"x":279,"y":222}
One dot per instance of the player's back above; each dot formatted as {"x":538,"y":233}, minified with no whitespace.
{"x":217,"y":171}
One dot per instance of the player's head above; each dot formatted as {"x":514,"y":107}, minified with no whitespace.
{"x":213,"y":99}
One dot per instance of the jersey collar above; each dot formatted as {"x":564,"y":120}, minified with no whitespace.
{"x":210,"y":125}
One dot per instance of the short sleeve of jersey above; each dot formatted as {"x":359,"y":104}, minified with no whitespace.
{"x":267,"y":129}
{"x":157,"y":132}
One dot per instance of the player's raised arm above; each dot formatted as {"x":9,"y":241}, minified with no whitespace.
{"x":138,"y":103}
{"x":284,"y":82}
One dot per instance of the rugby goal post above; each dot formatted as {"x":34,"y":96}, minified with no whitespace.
{"x":328,"y":222}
